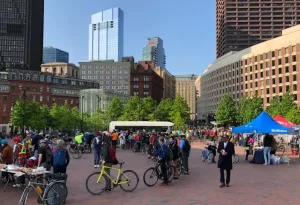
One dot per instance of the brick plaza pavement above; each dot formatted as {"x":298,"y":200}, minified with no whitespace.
{"x":250,"y":185}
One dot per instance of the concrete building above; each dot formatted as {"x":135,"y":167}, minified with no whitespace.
{"x":267,"y":69}
{"x":61,"y":69}
{"x":144,"y":81}
{"x":198,"y":94}
{"x":169,"y":82}
{"x":106,"y":35}
{"x":109,"y":74}
{"x":92,"y":100}
{"x":51,"y":55}
{"x":241,"y":23}
{"x":185,"y":87}
{"x":42,"y":87}
{"x":155,"y":52}
{"x":21,"y":34}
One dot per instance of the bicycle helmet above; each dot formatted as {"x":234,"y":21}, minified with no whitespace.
{"x":4,"y":141}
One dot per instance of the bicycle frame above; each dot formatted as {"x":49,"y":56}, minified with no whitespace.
{"x":115,"y":182}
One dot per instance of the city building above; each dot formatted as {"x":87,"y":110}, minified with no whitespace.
{"x":185,"y":87}
{"x":267,"y":69}
{"x":198,"y":94}
{"x":109,"y":74}
{"x":61,"y":69}
{"x":169,"y":82}
{"x":154,"y":51}
{"x":42,"y":87}
{"x":51,"y":55}
{"x":241,"y":23}
{"x":144,"y":81}
{"x":106,"y":35}
{"x":21,"y":34}
{"x":92,"y":100}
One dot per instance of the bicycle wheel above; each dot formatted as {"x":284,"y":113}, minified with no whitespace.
{"x":56,"y":193}
{"x":178,"y":168}
{"x":203,"y":158}
{"x":153,"y":175}
{"x":171,"y":173}
{"x":77,"y":153}
{"x":24,"y":196}
{"x":235,"y":158}
{"x":92,"y":180}
{"x":210,"y":158}
{"x":129,"y":175}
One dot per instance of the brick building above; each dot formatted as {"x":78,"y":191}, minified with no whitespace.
{"x":144,"y":81}
{"x":42,"y":87}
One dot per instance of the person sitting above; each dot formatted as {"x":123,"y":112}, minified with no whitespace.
{"x":6,"y":156}
{"x":212,"y":147}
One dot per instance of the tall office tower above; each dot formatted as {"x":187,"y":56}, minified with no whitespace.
{"x":51,"y":55}
{"x":243,"y":23}
{"x":106,"y":35}
{"x":21,"y":34}
{"x":155,"y":52}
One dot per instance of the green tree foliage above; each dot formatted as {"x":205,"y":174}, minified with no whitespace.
{"x":147,"y":111}
{"x":132,"y":109}
{"x":248,"y":109}
{"x":226,"y":111}
{"x":98,"y":120}
{"x":114,"y":110}
{"x":163,"y":110}
{"x":293,"y":115}
{"x":274,"y":107}
{"x":17,"y":113}
{"x":179,"y":113}
{"x":282,"y":106}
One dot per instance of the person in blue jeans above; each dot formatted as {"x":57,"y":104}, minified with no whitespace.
{"x":97,"y":150}
{"x":268,"y":139}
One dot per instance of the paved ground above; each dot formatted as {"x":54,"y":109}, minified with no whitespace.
{"x":251,"y":184}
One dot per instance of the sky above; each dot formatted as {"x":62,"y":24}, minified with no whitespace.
{"x":186,"y":27}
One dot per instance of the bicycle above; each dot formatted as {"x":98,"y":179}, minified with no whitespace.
{"x":235,"y":158}
{"x":53,"y":192}
{"x":75,"y":150}
{"x":156,"y":174}
{"x":207,"y":155}
{"x":122,"y":179}
{"x":144,"y":148}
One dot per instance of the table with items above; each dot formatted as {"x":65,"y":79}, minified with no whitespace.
{"x":21,"y":171}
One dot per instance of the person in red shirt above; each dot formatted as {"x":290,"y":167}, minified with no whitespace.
{"x":151,"y":145}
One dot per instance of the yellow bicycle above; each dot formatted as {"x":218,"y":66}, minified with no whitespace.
{"x":124,"y":178}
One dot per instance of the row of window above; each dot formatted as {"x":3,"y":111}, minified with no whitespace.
{"x":146,"y":78}
{"x":97,"y":67}
{"x":136,"y":86}
{"x":145,"y":93}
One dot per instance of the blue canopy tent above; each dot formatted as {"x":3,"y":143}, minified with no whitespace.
{"x":263,"y":123}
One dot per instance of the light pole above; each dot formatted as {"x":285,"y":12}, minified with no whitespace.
{"x":12,"y":122}
{"x":99,"y":101}
{"x":81,"y":124}
{"x":23,"y":111}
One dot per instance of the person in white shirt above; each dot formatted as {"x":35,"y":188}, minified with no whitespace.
{"x":122,"y":139}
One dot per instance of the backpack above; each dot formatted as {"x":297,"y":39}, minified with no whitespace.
{"x":170,"y":154}
{"x":187,"y":147}
{"x":48,"y":155}
{"x":112,"y":155}
{"x":59,"y":157}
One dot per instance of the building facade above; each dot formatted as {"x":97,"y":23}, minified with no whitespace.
{"x":21,"y":34}
{"x":110,"y":75}
{"x":155,"y":52}
{"x":145,"y":82}
{"x":185,"y":87}
{"x":241,"y":24}
{"x":61,"y":69}
{"x":92,"y":100}
{"x":169,"y":82}
{"x":106,"y":35}
{"x":51,"y":55}
{"x":198,"y":94}
{"x":37,"y":86}
{"x":267,"y":69}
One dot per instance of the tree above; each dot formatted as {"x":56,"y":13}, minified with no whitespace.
{"x":163,"y":110}
{"x":98,"y":120}
{"x":179,"y":113}
{"x":132,"y":109}
{"x":241,"y":108}
{"x":294,"y":115}
{"x":17,"y":113}
{"x":147,"y":111}
{"x":226,"y":111}
{"x":275,"y":107}
{"x":64,"y":117}
{"x":34,"y":116}
{"x":281,"y":106}
{"x":114,"y":110}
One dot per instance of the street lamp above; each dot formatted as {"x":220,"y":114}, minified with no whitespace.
{"x":23,"y":111}
{"x":12,"y":122}
{"x":81,"y":124}
{"x":99,"y":101}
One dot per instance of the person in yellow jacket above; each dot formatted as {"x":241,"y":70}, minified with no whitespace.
{"x":79,"y":138}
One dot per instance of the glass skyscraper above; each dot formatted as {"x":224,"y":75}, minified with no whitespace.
{"x":106,"y":33}
{"x":21,"y":34}
{"x":155,"y":51}
{"x":51,"y":55}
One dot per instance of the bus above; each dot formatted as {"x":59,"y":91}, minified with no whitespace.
{"x":149,"y":126}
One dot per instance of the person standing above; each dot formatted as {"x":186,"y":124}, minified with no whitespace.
{"x":45,"y":155}
{"x":6,"y":156}
{"x":114,"y":139}
{"x":175,"y":149}
{"x":185,"y":148}
{"x":60,"y":158}
{"x":162,"y":157}
{"x":267,"y":148}
{"x":225,"y":150}
{"x":97,"y":150}
{"x":109,"y":158}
